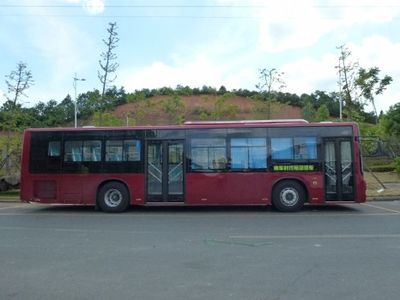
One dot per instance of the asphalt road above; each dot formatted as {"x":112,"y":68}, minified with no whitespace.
{"x":334,"y":252}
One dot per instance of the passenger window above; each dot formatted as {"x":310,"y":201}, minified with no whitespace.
{"x":132,"y":150}
{"x":305,"y":148}
{"x":248,"y":153}
{"x":282,"y":148}
{"x":114,"y":150}
{"x":123,"y":150}
{"x":91,"y":150}
{"x":298,"y":148}
{"x":54,"y":149}
{"x":73,"y":151}
{"x":208,"y":154}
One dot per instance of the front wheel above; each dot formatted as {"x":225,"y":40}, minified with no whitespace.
{"x":288,"y":196}
{"x":113,"y":197}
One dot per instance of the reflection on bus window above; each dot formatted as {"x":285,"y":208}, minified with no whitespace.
{"x":123,"y":150}
{"x":76,"y":151}
{"x":73,"y":151}
{"x":54,"y":149}
{"x":282,"y":148}
{"x":299,"y":148}
{"x":208,"y":154}
{"x":249,"y":153}
{"x":91,"y":150}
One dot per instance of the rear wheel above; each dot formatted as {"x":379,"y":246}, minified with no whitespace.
{"x":288,"y":196}
{"x":113,"y":197}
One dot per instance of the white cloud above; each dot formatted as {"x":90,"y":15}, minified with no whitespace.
{"x":61,"y":44}
{"x":309,"y":74}
{"x":379,"y":51}
{"x":288,"y":24}
{"x":196,"y":73}
{"x":2,"y":97}
{"x":93,"y":7}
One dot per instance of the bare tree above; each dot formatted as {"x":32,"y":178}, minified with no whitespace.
{"x":18,"y":81}
{"x":270,"y":81}
{"x":107,"y":62}
{"x":347,"y":79}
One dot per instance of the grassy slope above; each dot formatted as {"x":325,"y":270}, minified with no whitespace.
{"x":155,"y":111}
{"x":386,"y":177}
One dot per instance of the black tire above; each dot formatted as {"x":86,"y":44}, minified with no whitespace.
{"x":113,"y":197}
{"x":288,"y":196}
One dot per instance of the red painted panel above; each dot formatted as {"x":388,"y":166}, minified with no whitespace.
{"x":246,"y":188}
{"x":227,"y":188}
{"x":78,"y":188}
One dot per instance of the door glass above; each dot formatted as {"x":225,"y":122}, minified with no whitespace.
{"x":154,"y":169}
{"x":330,"y":167}
{"x":346,"y":167}
{"x":175,"y":169}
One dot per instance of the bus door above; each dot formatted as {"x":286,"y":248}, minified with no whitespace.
{"x":165,"y":170}
{"x":338,"y":168}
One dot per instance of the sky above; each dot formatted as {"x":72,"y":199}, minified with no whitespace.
{"x":196,"y":43}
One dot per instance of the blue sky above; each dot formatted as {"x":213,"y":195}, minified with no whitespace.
{"x":196,"y":43}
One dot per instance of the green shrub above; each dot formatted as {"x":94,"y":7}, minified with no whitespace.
{"x":383,"y":168}
{"x":397,"y":164}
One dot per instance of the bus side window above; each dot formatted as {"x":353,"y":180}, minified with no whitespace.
{"x":54,"y":149}
{"x":114,"y":150}
{"x":131,"y":150}
{"x":122,"y":150}
{"x":208,"y":154}
{"x":73,"y":151}
{"x":298,"y":148}
{"x":92,"y":150}
{"x":282,"y":148}
{"x":248,"y":153}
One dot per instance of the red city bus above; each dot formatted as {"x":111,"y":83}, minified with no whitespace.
{"x":284,"y":163}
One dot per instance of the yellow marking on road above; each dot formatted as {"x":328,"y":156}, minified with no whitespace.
{"x":383,"y":208}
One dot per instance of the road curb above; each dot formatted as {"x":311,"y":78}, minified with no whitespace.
{"x":9,"y":200}
{"x":384,"y":198}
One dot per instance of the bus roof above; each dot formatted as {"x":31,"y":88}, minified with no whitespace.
{"x":208,"y":124}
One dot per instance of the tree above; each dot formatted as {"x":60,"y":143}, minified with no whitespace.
{"x":107,"y":64}
{"x":347,"y":80}
{"x":391,"y":122}
{"x":371,"y":85}
{"x":270,"y":81}
{"x":18,"y":82}
{"x":322,"y":113}
{"x":309,"y":111}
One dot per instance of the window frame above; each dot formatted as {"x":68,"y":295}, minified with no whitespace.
{"x":247,"y":148}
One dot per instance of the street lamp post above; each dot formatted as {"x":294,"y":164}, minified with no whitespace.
{"x":76,"y":100}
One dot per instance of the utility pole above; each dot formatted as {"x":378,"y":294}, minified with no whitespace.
{"x":76,"y":100}
{"x":340,"y":93}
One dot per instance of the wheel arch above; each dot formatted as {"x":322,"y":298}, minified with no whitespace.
{"x":296,"y":179}
{"x":104,"y":182}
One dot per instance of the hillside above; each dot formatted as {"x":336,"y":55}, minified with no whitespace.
{"x":162,"y":110}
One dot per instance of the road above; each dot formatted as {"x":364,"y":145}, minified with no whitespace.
{"x":333,"y":252}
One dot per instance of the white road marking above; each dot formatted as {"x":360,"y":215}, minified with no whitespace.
{"x":316,"y":236}
{"x":382,"y":208}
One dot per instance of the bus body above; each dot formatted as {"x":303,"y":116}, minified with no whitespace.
{"x":283,"y":163}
